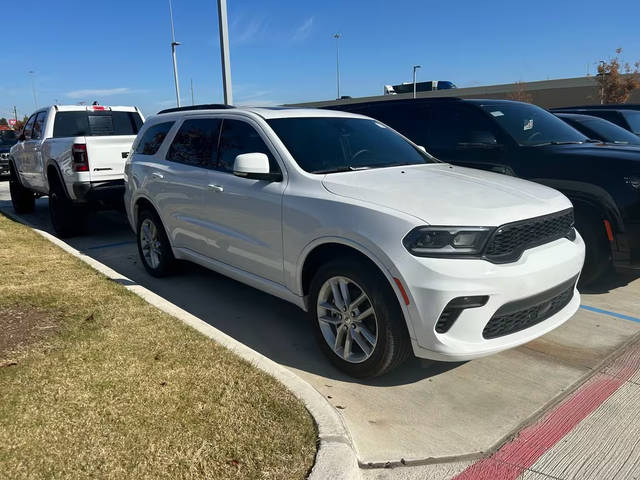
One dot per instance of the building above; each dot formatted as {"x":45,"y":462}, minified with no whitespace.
{"x":564,"y":92}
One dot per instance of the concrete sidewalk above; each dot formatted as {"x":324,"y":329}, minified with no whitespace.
{"x":422,"y":413}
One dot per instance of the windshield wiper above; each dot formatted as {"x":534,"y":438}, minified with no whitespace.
{"x":556,"y":142}
{"x":341,"y":168}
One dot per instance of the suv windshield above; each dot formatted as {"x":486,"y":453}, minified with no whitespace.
{"x":610,"y":132}
{"x":633,"y":119}
{"x":96,"y":123}
{"x":532,"y":126}
{"x":8,"y":137}
{"x":334,"y":144}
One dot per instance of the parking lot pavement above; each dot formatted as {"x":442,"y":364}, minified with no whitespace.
{"x":423,"y":411}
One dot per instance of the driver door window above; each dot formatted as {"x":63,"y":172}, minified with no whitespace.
{"x":237,"y":138}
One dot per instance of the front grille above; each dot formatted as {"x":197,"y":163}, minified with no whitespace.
{"x":516,"y":316}
{"x":510,"y":240}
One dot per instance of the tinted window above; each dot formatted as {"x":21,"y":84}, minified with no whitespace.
{"x":326,"y":144}
{"x":237,"y":138}
{"x":409,"y":120}
{"x":529,"y":125}
{"x":38,"y":126}
{"x":453,"y":127}
{"x":28,"y":127}
{"x":633,"y":119}
{"x":606,"y":131}
{"x":196,"y":143}
{"x":96,"y":123}
{"x":153,"y":138}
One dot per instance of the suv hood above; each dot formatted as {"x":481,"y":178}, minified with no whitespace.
{"x":443,"y":194}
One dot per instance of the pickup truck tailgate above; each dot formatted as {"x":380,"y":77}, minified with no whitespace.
{"x":107,"y":156}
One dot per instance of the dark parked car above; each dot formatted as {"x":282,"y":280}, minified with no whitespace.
{"x":8,"y":138}
{"x":627,"y":118}
{"x":600,"y":129}
{"x":520,"y":139}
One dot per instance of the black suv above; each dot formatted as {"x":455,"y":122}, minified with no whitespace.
{"x":627,"y":117}
{"x":523,"y":140}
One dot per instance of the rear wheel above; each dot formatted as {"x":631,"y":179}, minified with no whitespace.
{"x":153,"y":244}
{"x":67,"y":219}
{"x":23,"y":200}
{"x":598,"y":253}
{"x":357,"y":320}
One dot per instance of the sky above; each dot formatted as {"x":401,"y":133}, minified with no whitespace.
{"x":118,"y":52}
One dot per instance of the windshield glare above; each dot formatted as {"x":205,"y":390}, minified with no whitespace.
{"x":530,"y":125}
{"x":331,"y":144}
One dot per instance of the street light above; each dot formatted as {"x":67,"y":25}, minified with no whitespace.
{"x":415,"y":67}
{"x":174,"y":44}
{"x":33,"y":88}
{"x":223,"y":27}
{"x":337,"y":37}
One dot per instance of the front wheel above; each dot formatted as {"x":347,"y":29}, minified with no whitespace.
{"x":598,"y":252}
{"x":357,"y":319}
{"x":23,"y":200}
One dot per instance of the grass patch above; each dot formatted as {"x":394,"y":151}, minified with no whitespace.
{"x":123,"y":390}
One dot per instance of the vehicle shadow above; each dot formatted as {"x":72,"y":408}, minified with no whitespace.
{"x":272,"y":327}
{"x":610,"y":281}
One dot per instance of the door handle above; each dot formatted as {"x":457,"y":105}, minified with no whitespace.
{"x":216,"y":188}
{"x":157,"y":175}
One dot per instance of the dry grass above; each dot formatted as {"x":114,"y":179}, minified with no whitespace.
{"x":123,"y":390}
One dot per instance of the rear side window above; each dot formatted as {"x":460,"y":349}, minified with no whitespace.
{"x":237,"y":138}
{"x":153,"y":138}
{"x":196,"y":143}
{"x":96,"y":124}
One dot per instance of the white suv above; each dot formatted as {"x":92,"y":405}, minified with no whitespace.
{"x":388,"y":249}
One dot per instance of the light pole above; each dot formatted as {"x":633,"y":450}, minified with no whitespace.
{"x":602,"y":73}
{"x":33,"y":88}
{"x":224,"y":51}
{"x":415,"y":67}
{"x":174,"y":44}
{"x":337,"y":37}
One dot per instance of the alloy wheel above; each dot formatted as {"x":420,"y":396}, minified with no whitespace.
{"x":347,"y":319}
{"x":150,"y":243}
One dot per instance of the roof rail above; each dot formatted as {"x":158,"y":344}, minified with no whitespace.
{"x":209,"y":106}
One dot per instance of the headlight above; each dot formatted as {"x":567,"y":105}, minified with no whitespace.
{"x":447,"y":241}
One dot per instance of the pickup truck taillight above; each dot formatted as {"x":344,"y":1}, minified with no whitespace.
{"x":80,"y":159}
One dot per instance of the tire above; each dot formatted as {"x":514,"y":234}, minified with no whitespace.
{"x":150,"y":232}
{"x":383,"y":332}
{"x":68,"y":220}
{"x":23,"y":199}
{"x":598,"y":252}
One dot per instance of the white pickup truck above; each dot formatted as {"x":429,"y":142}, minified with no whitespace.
{"x":76,"y":156}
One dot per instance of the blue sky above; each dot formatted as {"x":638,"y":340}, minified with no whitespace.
{"x":283,"y":52}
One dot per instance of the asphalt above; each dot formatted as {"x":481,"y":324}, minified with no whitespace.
{"x":421,"y":414}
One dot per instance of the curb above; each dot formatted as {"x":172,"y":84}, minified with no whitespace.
{"x":335,"y":458}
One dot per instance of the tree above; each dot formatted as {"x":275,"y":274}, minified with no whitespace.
{"x":617,"y":79}
{"x":3,"y":121}
{"x":520,"y":93}
{"x":20,"y":124}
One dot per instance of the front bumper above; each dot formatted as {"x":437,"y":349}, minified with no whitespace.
{"x":4,"y":163}
{"x":434,"y":282}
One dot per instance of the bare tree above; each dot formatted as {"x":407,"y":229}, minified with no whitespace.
{"x":617,"y":79}
{"x":520,"y":93}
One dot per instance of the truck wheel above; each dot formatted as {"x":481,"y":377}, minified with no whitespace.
{"x":67,"y":219}
{"x":357,"y":319}
{"x":598,"y":253}
{"x":153,"y":244}
{"x":23,"y":200}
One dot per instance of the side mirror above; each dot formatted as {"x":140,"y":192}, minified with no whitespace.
{"x":254,"y":166}
{"x":22,"y":138}
{"x":422,"y":148}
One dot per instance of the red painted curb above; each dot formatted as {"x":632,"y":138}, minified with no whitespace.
{"x":512,"y":459}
